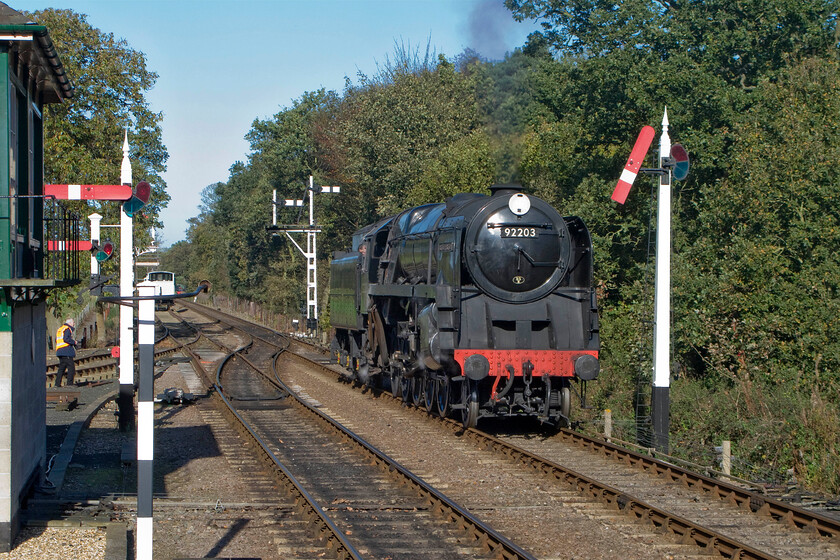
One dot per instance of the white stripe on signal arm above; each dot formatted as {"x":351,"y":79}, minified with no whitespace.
{"x":627,"y":176}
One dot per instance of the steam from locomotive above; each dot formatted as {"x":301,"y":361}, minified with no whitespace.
{"x":482,"y":306}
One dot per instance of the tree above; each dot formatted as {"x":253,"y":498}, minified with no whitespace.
{"x":207,"y":257}
{"x":619,"y":65}
{"x":83,"y":136}
{"x":394,"y":128}
{"x":760,"y":281}
{"x":751,"y":89}
{"x":740,"y":41}
{"x":176,"y":259}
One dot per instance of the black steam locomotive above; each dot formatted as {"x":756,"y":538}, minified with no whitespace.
{"x":482,"y":306}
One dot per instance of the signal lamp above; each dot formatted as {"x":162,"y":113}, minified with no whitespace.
{"x":104,"y":252}
{"x":143,"y":191}
{"x":138,"y":199}
{"x":681,"y":162}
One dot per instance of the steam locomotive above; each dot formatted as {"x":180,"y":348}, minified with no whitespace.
{"x":479,"y":307}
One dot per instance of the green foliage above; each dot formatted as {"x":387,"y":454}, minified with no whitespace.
{"x":398,"y":139}
{"x":177,"y":259}
{"x":752,"y":92}
{"x":465,"y":165}
{"x":760,"y":282}
{"x":83,"y":136}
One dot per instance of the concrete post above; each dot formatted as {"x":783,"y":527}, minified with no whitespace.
{"x":726,"y":462}
{"x":607,"y":424}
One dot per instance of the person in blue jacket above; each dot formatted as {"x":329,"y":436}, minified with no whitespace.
{"x":65,"y":349}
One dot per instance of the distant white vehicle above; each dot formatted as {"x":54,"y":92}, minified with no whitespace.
{"x":164,"y":283}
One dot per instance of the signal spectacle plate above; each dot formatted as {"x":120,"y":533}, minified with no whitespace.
{"x":681,"y":162}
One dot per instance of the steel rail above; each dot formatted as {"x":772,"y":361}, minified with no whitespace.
{"x":104,"y":356}
{"x":337,"y":543}
{"x":484,"y":536}
{"x":753,"y":502}
{"x":98,"y":371}
{"x":792,"y":516}
{"x":310,"y":510}
{"x":685,"y":531}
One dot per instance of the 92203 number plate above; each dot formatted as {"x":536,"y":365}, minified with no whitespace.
{"x":520,"y":232}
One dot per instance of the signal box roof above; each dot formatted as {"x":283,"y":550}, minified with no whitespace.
{"x":33,"y":44}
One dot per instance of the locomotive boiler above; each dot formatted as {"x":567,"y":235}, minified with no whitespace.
{"x":482,"y":306}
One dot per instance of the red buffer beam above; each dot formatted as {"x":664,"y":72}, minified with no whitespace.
{"x":88,"y":192}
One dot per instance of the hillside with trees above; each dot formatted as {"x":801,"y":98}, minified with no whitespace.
{"x":752,"y":92}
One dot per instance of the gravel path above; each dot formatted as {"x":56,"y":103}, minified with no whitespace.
{"x":47,"y":543}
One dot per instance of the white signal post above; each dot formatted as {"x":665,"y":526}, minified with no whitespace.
{"x":126,"y":396}
{"x":660,"y":395}
{"x":660,"y":391}
{"x":95,"y":220}
{"x":144,"y":535}
{"x":311,"y":244}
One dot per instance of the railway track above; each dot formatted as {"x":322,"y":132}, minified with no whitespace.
{"x":369,"y":504}
{"x":713,"y":515}
{"x":100,"y":365}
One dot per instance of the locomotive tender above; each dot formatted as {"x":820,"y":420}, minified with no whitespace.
{"x":482,"y":306}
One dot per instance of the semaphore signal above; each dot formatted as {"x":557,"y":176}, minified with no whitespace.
{"x":673,"y":164}
{"x":309,"y":253}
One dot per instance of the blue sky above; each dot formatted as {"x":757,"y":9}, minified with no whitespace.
{"x":223,"y":64}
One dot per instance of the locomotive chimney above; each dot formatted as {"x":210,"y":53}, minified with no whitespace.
{"x":506,"y":188}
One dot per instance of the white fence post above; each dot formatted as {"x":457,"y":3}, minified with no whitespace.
{"x":726,"y":462}
{"x":607,"y":424}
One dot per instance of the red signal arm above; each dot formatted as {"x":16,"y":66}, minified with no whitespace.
{"x":53,"y":245}
{"x":634,"y":163}
{"x":88,"y":192}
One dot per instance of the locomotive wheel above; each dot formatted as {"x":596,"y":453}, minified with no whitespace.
{"x":405,"y":387}
{"x":395,"y":384}
{"x":429,"y":394}
{"x":417,"y":390}
{"x":469,"y":397}
{"x":565,"y":404}
{"x":444,"y":387}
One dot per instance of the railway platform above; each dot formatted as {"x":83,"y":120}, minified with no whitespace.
{"x":205,"y":502}
{"x":48,"y":524}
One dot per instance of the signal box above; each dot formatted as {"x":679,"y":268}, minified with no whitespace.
{"x":31,"y":75}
